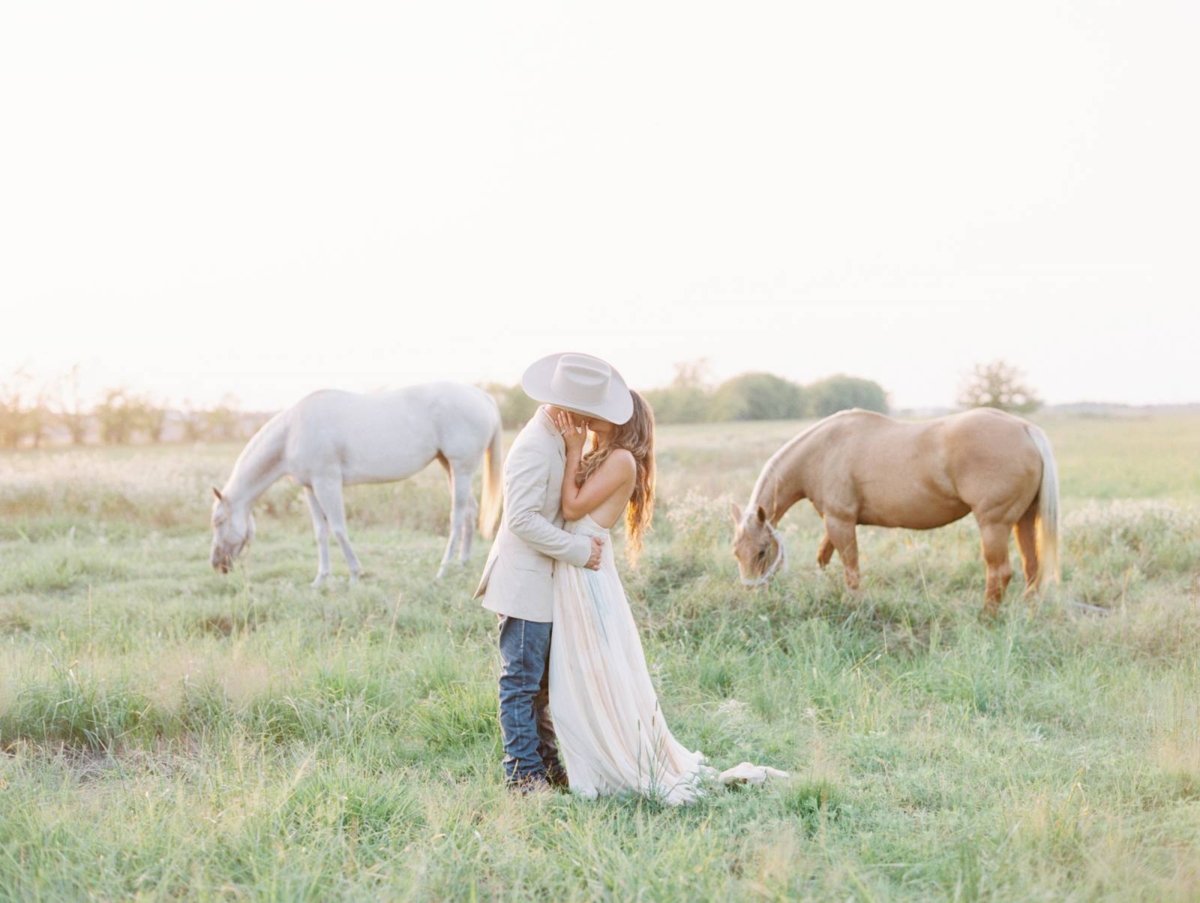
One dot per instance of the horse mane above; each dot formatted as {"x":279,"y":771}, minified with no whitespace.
{"x":775,"y":462}
{"x":768,"y":474}
{"x":253,"y":452}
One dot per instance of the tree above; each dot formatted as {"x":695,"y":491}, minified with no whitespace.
{"x":193,"y":421}
{"x":688,"y":399}
{"x":24,"y":409}
{"x":37,"y":416}
{"x":70,"y":408}
{"x":150,"y":417}
{"x":223,"y":421}
{"x":14,"y":418}
{"x":515,"y":406}
{"x":841,"y":392}
{"x":998,"y":385}
{"x":117,"y":415}
{"x":758,"y":396}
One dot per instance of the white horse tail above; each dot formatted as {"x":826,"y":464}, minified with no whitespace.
{"x":493,"y":483}
{"x":1047,"y":515}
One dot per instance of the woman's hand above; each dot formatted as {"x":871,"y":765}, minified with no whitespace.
{"x":573,"y":432}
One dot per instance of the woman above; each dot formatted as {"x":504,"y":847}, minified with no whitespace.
{"x":605,"y":710}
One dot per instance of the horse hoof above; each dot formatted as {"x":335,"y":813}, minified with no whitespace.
{"x":319,"y":582}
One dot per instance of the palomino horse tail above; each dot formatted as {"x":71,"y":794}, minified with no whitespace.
{"x":493,"y":483}
{"x":1047,"y":515}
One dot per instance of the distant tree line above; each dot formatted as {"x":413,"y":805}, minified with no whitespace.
{"x":33,"y":414}
{"x":54,"y":411}
{"x":692,"y":398}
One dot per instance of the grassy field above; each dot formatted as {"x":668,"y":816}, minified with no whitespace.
{"x":168,"y":732}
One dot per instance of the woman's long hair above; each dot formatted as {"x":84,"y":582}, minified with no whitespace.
{"x":637,"y":436}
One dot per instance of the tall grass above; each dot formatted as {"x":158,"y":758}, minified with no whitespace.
{"x":167,"y":732}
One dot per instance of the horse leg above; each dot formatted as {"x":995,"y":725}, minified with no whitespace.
{"x":842,"y":537}
{"x":468,"y":528}
{"x":999,"y":569}
{"x":1026,"y":531}
{"x":460,"y":493}
{"x":452,"y":542}
{"x":329,"y":497}
{"x":321,"y":528}
{"x":465,"y":509}
{"x":824,"y":550}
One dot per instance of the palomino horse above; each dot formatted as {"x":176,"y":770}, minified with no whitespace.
{"x":858,"y":467}
{"x":333,"y":438}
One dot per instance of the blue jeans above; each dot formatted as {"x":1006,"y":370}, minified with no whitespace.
{"x":530,"y":747}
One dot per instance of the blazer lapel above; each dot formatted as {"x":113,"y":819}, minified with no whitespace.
{"x":560,"y":444}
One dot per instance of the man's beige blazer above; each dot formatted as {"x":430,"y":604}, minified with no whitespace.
{"x":517,"y":579}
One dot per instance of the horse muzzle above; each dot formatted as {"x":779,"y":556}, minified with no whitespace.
{"x":779,"y":564}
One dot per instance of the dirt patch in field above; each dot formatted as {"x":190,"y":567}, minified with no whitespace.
{"x":13,"y":622}
{"x":225,"y":625}
{"x":163,"y":759}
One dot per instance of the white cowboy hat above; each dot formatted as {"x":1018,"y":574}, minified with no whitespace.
{"x":579,"y":383}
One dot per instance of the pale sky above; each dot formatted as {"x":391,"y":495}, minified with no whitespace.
{"x":266,"y":199}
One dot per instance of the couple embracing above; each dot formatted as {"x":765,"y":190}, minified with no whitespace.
{"x":584,"y":701}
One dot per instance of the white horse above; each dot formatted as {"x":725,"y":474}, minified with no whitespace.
{"x":333,"y":438}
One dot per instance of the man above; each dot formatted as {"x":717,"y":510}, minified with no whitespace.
{"x":517,"y":579}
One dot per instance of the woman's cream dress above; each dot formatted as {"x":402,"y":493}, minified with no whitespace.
{"x":610,"y":729}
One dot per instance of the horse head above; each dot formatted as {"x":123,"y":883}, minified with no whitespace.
{"x":757,"y":546}
{"x":233,"y":528}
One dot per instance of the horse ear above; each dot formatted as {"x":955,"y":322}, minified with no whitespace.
{"x":762,"y":515}
{"x":217,"y":493}
{"x":736,"y":512}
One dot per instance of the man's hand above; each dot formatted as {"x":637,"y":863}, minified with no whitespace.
{"x":593,"y":563}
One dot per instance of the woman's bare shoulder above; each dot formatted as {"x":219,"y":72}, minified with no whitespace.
{"x":621,"y":461}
